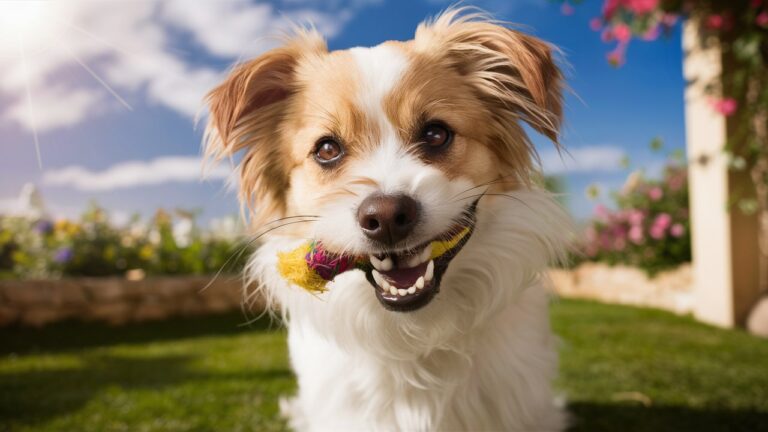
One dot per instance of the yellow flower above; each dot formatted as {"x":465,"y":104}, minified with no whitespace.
{"x":146,"y":252}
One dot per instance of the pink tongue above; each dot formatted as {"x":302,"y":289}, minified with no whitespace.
{"x":405,"y":278}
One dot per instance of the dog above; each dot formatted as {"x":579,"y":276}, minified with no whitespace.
{"x":412,"y":155}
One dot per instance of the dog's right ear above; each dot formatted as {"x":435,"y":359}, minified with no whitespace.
{"x":253,"y":91}
{"x":245,"y":113}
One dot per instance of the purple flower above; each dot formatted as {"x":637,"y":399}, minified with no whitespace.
{"x":44,"y":226}
{"x":63,"y":255}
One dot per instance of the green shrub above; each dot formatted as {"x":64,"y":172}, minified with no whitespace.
{"x":92,"y":246}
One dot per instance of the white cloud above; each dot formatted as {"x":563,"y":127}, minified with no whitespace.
{"x":587,"y":159}
{"x":135,"y":173}
{"x":55,"y":107}
{"x":133,"y":47}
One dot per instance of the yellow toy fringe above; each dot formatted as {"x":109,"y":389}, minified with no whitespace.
{"x":293,"y":267}
{"x":441,"y":247}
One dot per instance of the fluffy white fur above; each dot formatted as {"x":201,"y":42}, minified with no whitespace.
{"x":479,"y":357}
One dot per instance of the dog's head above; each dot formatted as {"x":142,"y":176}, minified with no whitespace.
{"x":384,"y":152}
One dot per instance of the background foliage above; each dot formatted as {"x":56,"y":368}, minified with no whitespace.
{"x":92,"y":246}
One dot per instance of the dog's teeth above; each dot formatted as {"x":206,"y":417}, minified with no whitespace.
{"x":430,"y":271}
{"x":378,"y":278}
{"x":393,"y":290}
{"x":386,"y":264}
{"x":376,"y":263}
{"x":419,"y":283}
{"x":412,"y":290}
{"x":425,"y":254}
{"x":402,"y":292}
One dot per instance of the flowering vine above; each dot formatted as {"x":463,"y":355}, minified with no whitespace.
{"x":740,"y":29}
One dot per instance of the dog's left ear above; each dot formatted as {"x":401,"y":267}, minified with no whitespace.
{"x":506,"y":66}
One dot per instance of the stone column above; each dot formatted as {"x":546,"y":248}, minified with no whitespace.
{"x":725,"y":248}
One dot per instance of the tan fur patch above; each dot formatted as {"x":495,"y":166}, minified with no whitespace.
{"x":477,"y":77}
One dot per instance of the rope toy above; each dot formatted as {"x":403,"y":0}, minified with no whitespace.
{"x":311,"y":266}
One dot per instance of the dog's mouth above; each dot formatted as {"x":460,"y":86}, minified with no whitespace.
{"x":409,"y":280}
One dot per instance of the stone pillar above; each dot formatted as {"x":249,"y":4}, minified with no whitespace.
{"x":725,"y":248}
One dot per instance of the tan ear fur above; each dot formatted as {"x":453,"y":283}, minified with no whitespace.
{"x":245,"y":113}
{"x":509,"y":67}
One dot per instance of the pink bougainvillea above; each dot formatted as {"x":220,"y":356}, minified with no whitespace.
{"x":648,"y":228}
{"x":725,"y":106}
{"x":762,"y":19}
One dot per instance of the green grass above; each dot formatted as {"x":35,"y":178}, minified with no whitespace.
{"x":624,"y":369}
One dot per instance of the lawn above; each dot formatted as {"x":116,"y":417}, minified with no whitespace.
{"x":624,"y":369}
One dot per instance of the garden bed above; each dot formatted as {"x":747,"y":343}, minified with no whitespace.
{"x":115,"y":300}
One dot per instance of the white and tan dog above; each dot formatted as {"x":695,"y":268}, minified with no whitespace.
{"x":378,"y":152}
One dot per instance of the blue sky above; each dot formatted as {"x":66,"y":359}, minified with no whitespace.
{"x":159,"y":57}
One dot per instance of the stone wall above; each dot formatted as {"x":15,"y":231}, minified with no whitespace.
{"x":115,"y":300}
{"x":671,"y":290}
{"x":119,"y":301}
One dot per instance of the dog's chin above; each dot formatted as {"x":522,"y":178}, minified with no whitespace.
{"x":408,"y":280}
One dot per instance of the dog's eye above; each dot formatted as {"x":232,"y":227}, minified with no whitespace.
{"x":328,"y":151}
{"x":436,"y":136}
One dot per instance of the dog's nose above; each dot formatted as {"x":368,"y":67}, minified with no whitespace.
{"x":388,"y":219}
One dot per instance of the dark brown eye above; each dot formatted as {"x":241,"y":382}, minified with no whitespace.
{"x":327,"y":151}
{"x":436,"y":136}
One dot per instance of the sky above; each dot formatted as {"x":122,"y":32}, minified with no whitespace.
{"x":110,"y":92}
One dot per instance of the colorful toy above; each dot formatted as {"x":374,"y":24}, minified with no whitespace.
{"x":311,"y":267}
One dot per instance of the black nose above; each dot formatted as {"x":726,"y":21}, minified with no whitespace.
{"x":388,"y":219}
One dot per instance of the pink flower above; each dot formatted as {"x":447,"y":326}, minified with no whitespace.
{"x":652,"y":34}
{"x":714,"y":22}
{"x":655,"y":193}
{"x":676,"y":181}
{"x":607,"y":35}
{"x":669,"y":20}
{"x":622,"y":33}
{"x":596,"y":24}
{"x":725,"y":106}
{"x":636,"y":234}
{"x":619,"y":244}
{"x":566,"y":9}
{"x":610,"y":7}
{"x":656,"y":232}
{"x":641,"y":7}
{"x":601,"y":212}
{"x":677,"y":230}
{"x":616,"y":57}
{"x":662,"y":221}
{"x":635,"y":217}
{"x":762,"y":19}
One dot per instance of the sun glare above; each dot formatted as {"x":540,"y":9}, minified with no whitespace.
{"x":29,"y":20}
{"x":28,"y":28}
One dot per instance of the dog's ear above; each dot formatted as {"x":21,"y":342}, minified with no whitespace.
{"x":506,"y":66}
{"x":245,"y":113}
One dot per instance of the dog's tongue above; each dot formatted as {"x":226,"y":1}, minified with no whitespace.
{"x":404,"y":277}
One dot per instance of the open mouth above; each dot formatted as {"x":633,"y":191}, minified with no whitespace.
{"x":409,"y":280}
